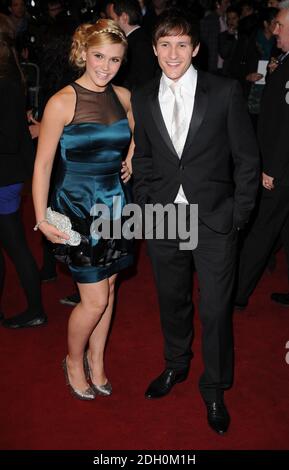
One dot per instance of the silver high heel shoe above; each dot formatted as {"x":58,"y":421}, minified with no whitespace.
{"x":88,"y":394}
{"x":103,"y":390}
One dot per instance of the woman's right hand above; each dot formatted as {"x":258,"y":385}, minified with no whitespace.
{"x":52,"y":233}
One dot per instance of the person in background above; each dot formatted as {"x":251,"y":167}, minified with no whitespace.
{"x":272,"y":215}
{"x":18,"y":15}
{"x":228,"y":39}
{"x":140,"y":65}
{"x":153,"y":10}
{"x":259,"y":48}
{"x":26,"y":31}
{"x":211,"y":26}
{"x":54,"y":8}
{"x":54,"y":19}
{"x":16,"y":166}
{"x":143,"y":6}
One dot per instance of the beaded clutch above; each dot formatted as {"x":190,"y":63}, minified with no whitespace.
{"x":63,"y":223}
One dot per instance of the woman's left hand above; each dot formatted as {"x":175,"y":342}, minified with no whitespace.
{"x":126,"y":171}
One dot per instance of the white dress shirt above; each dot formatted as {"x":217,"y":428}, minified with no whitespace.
{"x":132,"y":30}
{"x":223,"y":27}
{"x":188,"y":84}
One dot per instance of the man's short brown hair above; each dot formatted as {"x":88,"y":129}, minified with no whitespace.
{"x":175,"y":23}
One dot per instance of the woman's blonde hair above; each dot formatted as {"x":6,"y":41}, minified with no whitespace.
{"x":102,"y":32}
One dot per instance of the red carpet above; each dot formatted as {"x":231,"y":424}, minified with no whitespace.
{"x":38,"y":412}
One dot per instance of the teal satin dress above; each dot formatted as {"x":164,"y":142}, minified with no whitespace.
{"x":93,"y":146}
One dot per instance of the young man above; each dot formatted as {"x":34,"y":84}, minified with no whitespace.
{"x":194,"y":145}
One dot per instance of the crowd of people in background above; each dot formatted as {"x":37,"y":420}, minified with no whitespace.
{"x":235,"y":36}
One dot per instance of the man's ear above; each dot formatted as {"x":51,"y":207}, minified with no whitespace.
{"x":155,"y":50}
{"x":125,"y":18}
{"x":109,"y":10}
{"x":196,"y":50}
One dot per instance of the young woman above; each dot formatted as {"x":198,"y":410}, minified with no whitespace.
{"x":93,"y":121}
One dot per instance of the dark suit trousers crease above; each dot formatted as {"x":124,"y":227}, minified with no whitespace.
{"x":271,"y":218}
{"x":214,"y":259}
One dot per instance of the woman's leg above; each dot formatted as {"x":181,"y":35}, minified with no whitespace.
{"x":82,"y":322}
{"x":97,"y":340}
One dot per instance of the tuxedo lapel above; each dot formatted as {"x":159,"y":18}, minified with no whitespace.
{"x":159,"y":121}
{"x":200,"y":107}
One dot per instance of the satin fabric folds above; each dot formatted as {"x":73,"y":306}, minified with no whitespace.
{"x":89,"y":174}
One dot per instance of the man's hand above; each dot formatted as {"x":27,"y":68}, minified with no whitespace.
{"x":34,"y":128}
{"x":267,"y":181}
{"x":273,"y":64}
{"x":254,"y":77}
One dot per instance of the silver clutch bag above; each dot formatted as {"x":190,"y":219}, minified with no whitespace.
{"x":63,"y":223}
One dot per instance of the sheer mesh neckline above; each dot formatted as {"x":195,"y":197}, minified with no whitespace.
{"x":106,"y":90}
{"x":97,"y":107}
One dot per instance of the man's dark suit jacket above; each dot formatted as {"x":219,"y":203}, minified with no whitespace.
{"x":219,"y":167}
{"x":16,"y":148}
{"x":273,"y":128}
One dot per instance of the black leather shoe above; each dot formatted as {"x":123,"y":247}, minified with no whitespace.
{"x":163,"y":384}
{"x":25,"y":321}
{"x":282,"y":299}
{"x":218,"y":416}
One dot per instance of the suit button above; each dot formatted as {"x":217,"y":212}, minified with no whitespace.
{"x":182,"y":167}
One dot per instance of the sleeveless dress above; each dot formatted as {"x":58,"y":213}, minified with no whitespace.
{"x":92,"y":148}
